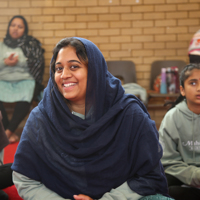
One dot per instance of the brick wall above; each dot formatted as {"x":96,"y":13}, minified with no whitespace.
{"x":139,"y":30}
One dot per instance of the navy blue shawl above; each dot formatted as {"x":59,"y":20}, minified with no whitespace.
{"x":117,"y":142}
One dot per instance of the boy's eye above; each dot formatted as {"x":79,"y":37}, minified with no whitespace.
{"x":193,"y":83}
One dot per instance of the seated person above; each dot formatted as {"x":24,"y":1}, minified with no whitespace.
{"x":86,"y":139}
{"x":134,"y":88}
{"x":21,"y":72}
{"x":180,"y":138}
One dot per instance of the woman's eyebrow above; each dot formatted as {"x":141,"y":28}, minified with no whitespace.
{"x":70,"y":61}
{"x":74,"y":61}
{"x":57,"y":63}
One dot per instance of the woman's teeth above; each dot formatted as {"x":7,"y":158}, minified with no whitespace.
{"x":69,"y":84}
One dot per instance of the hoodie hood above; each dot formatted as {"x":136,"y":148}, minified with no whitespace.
{"x":183,"y":108}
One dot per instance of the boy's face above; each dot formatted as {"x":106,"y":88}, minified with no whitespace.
{"x":191,"y":90}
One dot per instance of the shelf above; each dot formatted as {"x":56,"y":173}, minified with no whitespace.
{"x":163,"y":95}
{"x":157,"y":100}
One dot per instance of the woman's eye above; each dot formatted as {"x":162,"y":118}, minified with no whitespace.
{"x":74,"y":67}
{"x":193,"y":83}
{"x":58,"y":69}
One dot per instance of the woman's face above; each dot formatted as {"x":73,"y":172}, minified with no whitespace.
{"x":16,"y":28}
{"x":191,"y":90}
{"x":71,"y":75}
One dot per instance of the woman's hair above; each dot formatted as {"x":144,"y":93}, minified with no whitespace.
{"x":24,"y":21}
{"x":69,"y":42}
{"x":185,"y":73}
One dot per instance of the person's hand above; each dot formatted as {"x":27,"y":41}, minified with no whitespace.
{"x":11,"y":60}
{"x":82,"y":197}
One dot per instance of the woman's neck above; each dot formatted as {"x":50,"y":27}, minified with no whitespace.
{"x":79,"y":108}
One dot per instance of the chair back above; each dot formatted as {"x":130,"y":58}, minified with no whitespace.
{"x":157,"y":65}
{"x":123,"y":68}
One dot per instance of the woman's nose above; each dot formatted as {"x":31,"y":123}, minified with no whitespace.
{"x":66,"y":73}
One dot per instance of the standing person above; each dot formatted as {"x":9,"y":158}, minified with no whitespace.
{"x":21,"y":72}
{"x":87,"y":139}
{"x":5,"y":170}
{"x":179,"y":135}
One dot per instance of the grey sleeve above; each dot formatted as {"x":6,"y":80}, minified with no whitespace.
{"x":1,"y":156}
{"x":123,"y":192}
{"x":2,"y":64}
{"x":30,"y":189}
{"x":5,"y":51}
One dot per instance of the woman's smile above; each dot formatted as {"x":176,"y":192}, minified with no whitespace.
{"x":69,"y":84}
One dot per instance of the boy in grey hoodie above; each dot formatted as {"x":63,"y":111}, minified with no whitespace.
{"x":180,"y":138}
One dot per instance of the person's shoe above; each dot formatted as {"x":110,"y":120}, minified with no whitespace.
{"x":3,"y":195}
{"x":13,"y":138}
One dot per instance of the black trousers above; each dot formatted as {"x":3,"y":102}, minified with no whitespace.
{"x":181,"y":193}
{"x":5,"y":176}
{"x":22,"y":108}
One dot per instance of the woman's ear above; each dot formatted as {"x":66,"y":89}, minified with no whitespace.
{"x":182,"y":90}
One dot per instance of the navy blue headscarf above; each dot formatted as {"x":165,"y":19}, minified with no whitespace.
{"x":117,"y":142}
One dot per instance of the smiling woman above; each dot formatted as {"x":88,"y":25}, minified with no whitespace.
{"x":87,"y":139}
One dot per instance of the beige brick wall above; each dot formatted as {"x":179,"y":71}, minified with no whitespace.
{"x":139,"y":30}
{"x":157,"y":115}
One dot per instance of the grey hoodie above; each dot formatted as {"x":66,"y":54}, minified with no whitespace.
{"x":179,"y":135}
